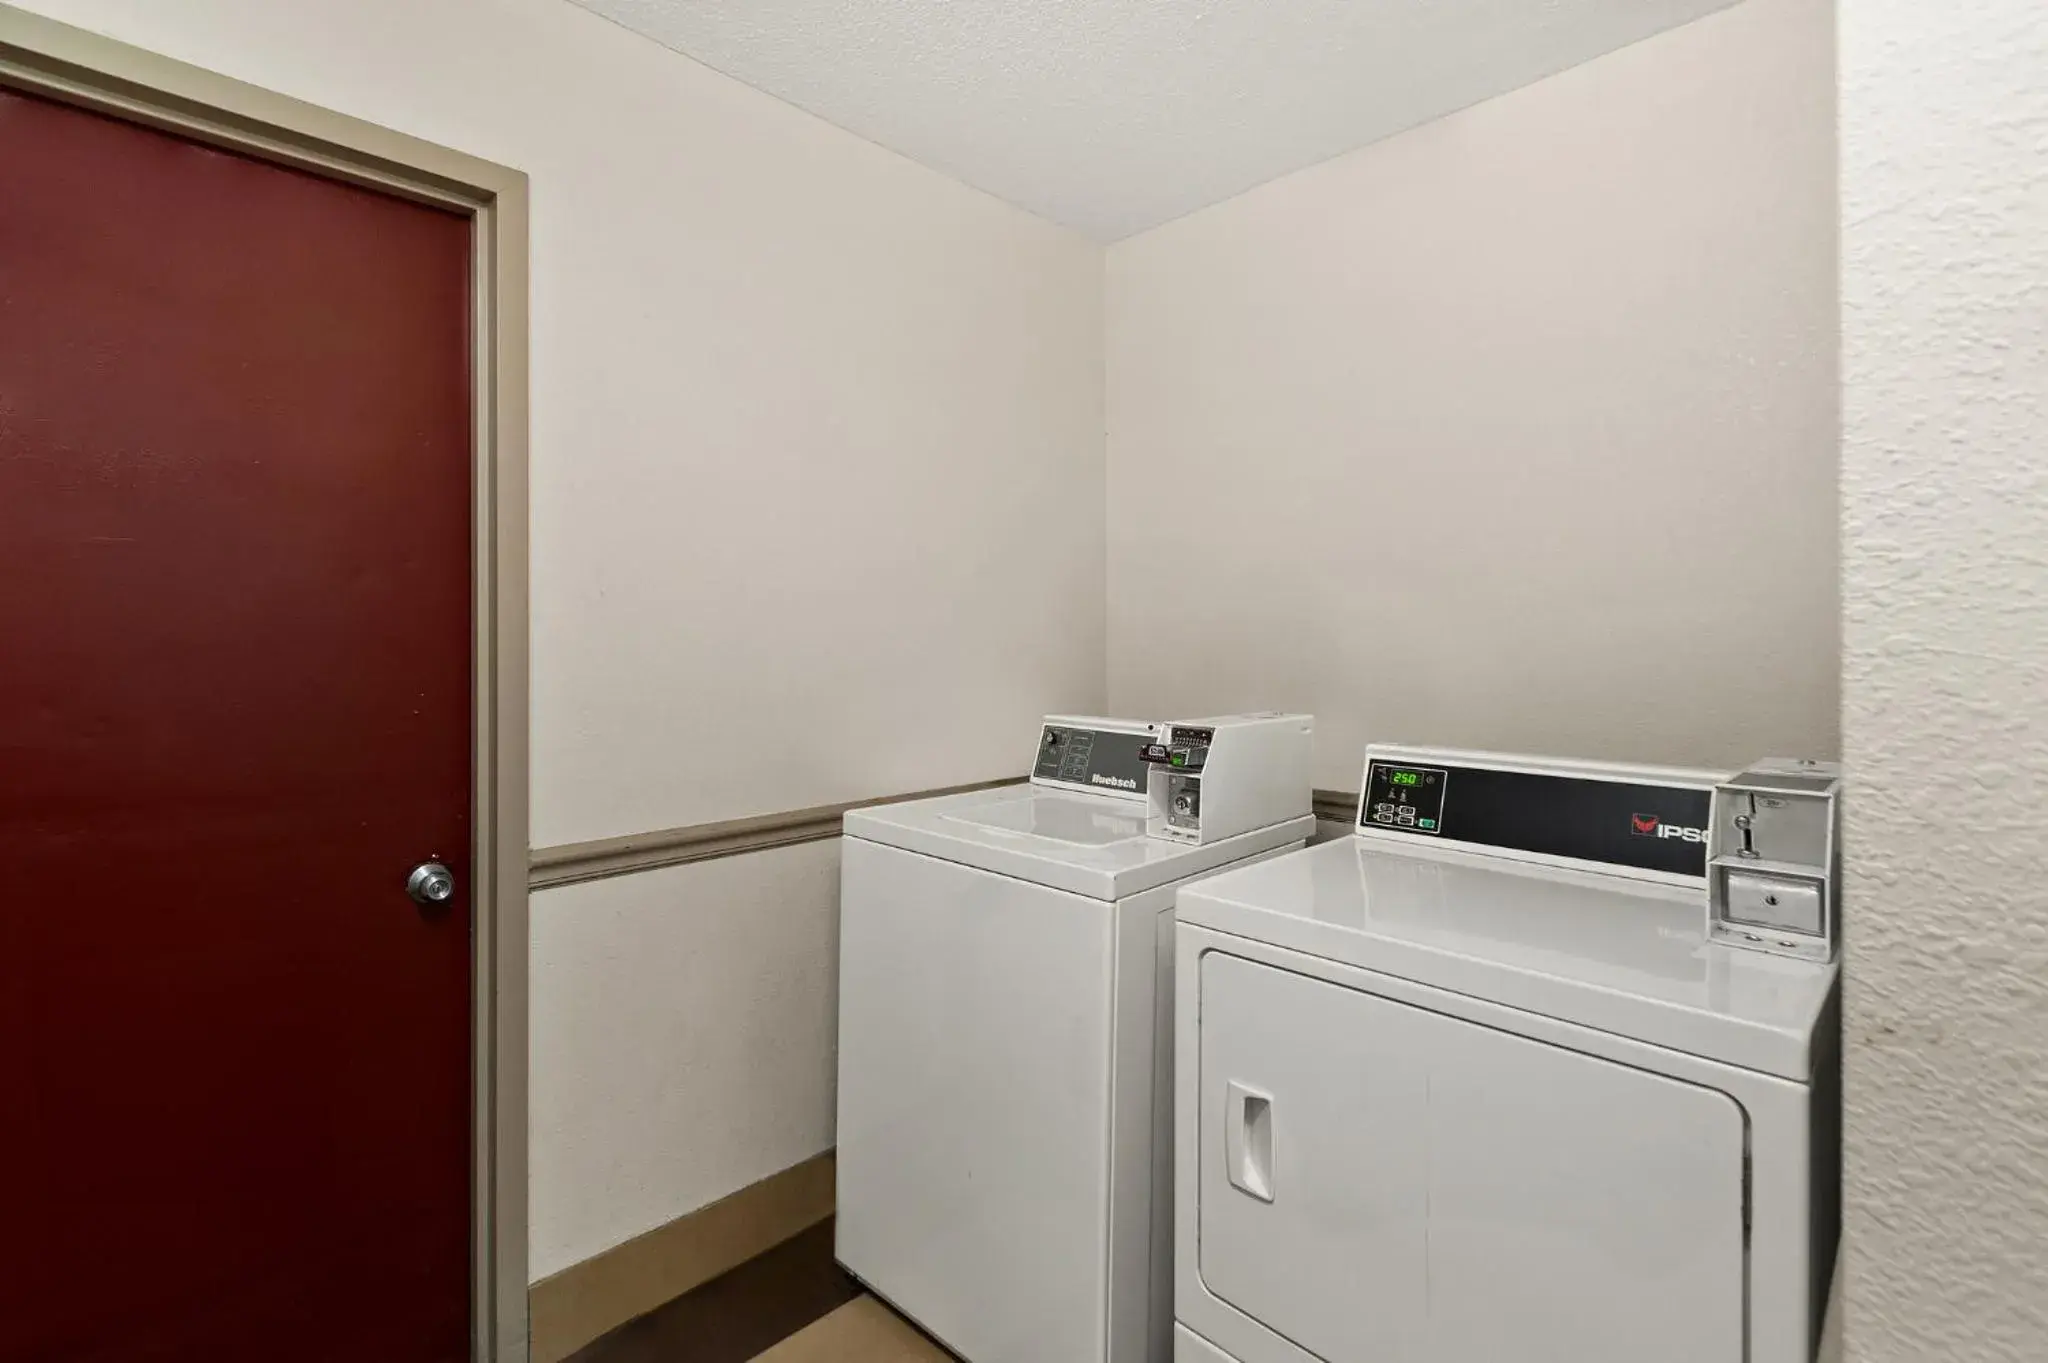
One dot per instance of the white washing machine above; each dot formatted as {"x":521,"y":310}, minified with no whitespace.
{"x":1473,"y":1086}
{"x":1005,"y":1052}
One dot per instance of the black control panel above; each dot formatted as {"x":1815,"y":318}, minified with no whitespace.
{"x":1099,"y":759}
{"x":1585,"y":818}
{"x":1404,"y":797}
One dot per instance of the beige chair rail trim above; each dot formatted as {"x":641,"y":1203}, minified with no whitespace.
{"x":574,"y":862}
{"x":578,"y":861}
{"x":1337,"y":806}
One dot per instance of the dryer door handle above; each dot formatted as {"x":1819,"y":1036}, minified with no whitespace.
{"x":1248,"y":1140}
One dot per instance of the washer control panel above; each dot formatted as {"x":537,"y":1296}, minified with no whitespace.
{"x":1109,"y":761}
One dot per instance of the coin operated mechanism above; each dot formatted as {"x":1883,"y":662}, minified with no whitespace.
{"x":1212,"y":779}
{"x":1774,"y":859}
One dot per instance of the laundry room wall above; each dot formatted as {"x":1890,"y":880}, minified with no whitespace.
{"x":1514,"y":431}
{"x":817,"y":516}
{"x":1945,"y":678}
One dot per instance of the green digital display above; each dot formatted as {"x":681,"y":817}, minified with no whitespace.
{"x":1404,"y":799}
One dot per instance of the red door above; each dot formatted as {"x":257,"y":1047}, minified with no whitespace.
{"x":235,"y":691}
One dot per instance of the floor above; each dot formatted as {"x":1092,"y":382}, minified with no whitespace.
{"x":862,"y":1331}
{"x":794,"y":1305}
{"x":790,"y":1305}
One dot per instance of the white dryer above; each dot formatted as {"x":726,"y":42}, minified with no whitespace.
{"x":1005,"y":1052}
{"x":1473,"y":1086}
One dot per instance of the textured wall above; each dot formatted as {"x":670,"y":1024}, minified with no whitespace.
{"x":1945,"y":677}
{"x":1516,"y":431}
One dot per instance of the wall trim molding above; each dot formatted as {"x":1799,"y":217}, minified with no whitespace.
{"x":573,"y":862}
{"x":1337,"y":806}
{"x":573,"y":1307}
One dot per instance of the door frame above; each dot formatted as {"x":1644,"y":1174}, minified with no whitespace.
{"x":57,"y":61}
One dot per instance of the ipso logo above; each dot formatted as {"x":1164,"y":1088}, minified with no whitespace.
{"x":1650,"y":826}
{"x":1120,"y":782}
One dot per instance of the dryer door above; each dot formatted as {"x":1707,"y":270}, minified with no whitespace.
{"x":1580,"y":1211}
{"x":1313,"y":1181}
{"x":1379,"y":1182}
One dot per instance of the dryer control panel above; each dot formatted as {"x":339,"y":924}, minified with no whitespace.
{"x":1645,"y":821}
{"x":1407,"y":796}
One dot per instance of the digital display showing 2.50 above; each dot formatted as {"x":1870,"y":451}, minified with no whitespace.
{"x":1404,"y":799}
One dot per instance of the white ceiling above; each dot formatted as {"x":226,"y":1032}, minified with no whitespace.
{"x":1113,"y":116}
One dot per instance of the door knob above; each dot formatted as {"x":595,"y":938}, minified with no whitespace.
{"x":430,"y":884}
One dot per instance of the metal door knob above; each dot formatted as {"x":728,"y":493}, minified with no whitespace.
{"x":430,"y":884}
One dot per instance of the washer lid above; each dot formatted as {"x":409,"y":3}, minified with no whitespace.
{"x":1076,"y":820}
{"x":1600,"y":951}
{"x":1088,"y":845}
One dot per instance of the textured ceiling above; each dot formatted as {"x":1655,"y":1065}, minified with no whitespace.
{"x":1113,"y":116}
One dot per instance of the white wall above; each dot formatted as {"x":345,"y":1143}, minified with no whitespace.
{"x":817,"y":515}
{"x":1945,"y":677}
{"x":1514,"y":431}
{"x":683,"y":1026}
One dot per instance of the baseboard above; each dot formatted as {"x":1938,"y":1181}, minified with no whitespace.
{"x":583,"y":1301}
